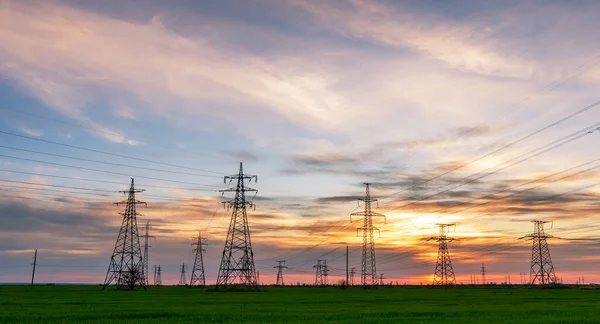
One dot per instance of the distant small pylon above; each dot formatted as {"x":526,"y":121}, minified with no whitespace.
{"x":158,"y":280}
{"x":198,"y":278}
{"x":146,"y":237}
{"x":321,"y":273}
{"x":182,"y":281}
{"x":280,"y":266}
{"x":483,"y":272}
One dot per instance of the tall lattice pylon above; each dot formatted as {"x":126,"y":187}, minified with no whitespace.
{"x":237,"y":262}
{"x":126,"y":267}
{"x":280,"y":266}
{"x":542,"y":270}
{"x":444,"y":273}
{"x":322,"y":273}
{"x":368,"y":275}
{"x":146,"y":237}
{"x":182,"y":281}
{"x":198,"y":278}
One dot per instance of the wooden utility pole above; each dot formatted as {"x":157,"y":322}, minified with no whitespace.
{"x":347,"y":283}
{"x":34,"y":263}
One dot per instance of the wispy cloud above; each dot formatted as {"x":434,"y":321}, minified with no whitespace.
{"x":32,"y":132}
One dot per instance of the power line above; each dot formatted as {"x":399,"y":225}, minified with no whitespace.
{"x":521,"y":139}
{"x":107,"y":163}
{"x":79,"y":188}
{"x":522,"y":191}
{"x":581,"y":135}
{"x":103,"y":181}
{"x":105,"y":152}
{"x":95,"y":170}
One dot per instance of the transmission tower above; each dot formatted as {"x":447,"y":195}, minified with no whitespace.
{"x":352,"y":273}
{"x":182,"y":280}
{"x":237,"y":262}
{"x":542,"y":270}
{"x":444,"y":273}
{"x":483,"y":274}
{"x":126,"y":267}
{"x":158,"y":281}
{"x":198,"y":278}
{"x":322,"y":273}
{"x":154,"y":277}
{"x":280,"y":267}
{"x":369,"y":269}
{"x":146,"y":246}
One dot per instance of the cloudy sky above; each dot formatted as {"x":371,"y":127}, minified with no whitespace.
{"x":474,"y":112}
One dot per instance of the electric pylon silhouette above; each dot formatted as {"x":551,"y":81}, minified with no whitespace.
{"x":182,"y":281}
{"x":368,"y":275}
{"x":322,"y":273}
{"x":444,"y":273}
{"x":352,"y":273}
{"x":158,"y":281}
{"x":280,"y":267}
{"x":126,"y":267}
{"x":542,"y":270}
{"x":198,"y":278}
{"x":146,"y":246}
{"x":483,"y":274}
{"x":237,"y":262}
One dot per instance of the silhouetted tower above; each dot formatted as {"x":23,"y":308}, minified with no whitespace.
{"x":146,"y":246}
{"x":483,"y":274}
{"x":158,"y":281}
{"x":182,"y":280}
{"x":542,"y":270}
{"x":198,"y":278}
{"x":352,"y":273}
{"x":322,"y":273}
{"x":280,"y":267}
{"x":381,"y":279}
{"x":126,"y":267}
{"x":369,"y":267}
{"x":154,"y":277}
{"x":33,"y":269}
{"x":237,"y":262}
{"x":444,"y":273}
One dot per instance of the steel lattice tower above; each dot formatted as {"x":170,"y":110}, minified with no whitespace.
{"x":158,"y":281}
{"x":322,"y":273}
{"x":237,"y":262}
{"x":126,"y":267}
{"x":146,"y":246}
{"x":352,"y":272}
{"x":542,"y":270}
{"x":369,"y":267}
{"x":483,"y":272}
{"x":444,"y":273}
{"x":182,"y":281}
{"x":198,"y":278}
{"x":280,"y":267}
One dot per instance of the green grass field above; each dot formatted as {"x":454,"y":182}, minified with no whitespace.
{"x":89,"y":304}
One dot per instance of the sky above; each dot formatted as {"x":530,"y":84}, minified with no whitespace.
{"x":483,"y":114}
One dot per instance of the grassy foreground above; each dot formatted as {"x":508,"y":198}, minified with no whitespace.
{"x":89,"y":304}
